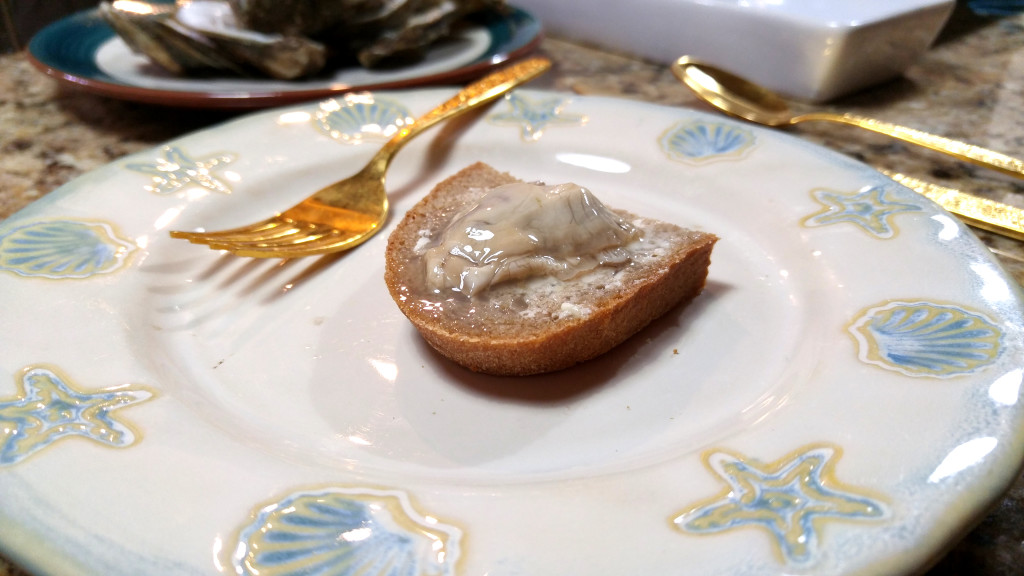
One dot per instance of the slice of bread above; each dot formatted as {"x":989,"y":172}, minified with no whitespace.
{"x":539,"y":324}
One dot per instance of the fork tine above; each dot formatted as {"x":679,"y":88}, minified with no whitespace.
{"x":286,"y":231}
{"x":270,"y":231}
{"x":254,"y":228}
{"x":301,"y":233}
{"x":323,"y":244}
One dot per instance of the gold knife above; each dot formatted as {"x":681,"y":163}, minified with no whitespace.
{"x":975,"y":211}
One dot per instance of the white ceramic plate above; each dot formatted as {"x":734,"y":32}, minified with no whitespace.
{"x":844,"y":397}
{"x":813,"y":50}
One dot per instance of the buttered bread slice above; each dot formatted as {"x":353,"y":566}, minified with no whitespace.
{"x":509,"y":278}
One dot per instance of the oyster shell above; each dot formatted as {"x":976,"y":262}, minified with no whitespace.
{"x":204,"y":36}
{"x":284,"y":56}
{"x":422,"y":24}
{"x":376,"y":31}
{"x":305,"y":17}
{"x":151,"y":30}
{"x":284,"y":39}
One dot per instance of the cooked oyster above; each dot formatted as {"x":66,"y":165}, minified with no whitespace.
{"x":284,"y":39}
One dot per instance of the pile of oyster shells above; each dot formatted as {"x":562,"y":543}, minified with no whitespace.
{"x":283,"y":39}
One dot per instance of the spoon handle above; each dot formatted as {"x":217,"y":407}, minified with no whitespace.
{"x":961,"y":150}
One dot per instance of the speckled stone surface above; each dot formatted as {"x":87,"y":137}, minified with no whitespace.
{"x":970,"y":86}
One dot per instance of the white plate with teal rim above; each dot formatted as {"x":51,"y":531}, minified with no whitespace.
{"x":83,"y":52}
{"x":843,"y":398}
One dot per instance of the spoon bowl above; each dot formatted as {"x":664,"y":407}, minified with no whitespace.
{"x":732,"y":94}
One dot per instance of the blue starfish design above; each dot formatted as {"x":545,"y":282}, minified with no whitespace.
{"x":177,"y":170}
{"x":790,"y":498}
{"x":534,"y":117}
{"x":47,"y":409}
{"x":868,"y":208}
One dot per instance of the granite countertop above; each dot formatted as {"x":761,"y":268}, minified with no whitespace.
{"x":970,"y":87}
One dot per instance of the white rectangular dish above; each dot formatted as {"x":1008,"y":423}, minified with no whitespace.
{"x":813,"y":50}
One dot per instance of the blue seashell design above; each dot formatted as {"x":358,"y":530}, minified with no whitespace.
{"x":63,"y":249}
{"x":926,"y":339}
{"x":345,"y":532}
{"x":359,"y":117}
{"x":701,"y":141}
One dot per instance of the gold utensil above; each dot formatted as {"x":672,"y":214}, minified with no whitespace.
{"x":976,"y":211}
{"x":748,"y":101}
{"x":743,"y":99}
{"x":346,"y":213}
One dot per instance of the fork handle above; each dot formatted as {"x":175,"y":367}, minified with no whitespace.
{"x":476,"y":94}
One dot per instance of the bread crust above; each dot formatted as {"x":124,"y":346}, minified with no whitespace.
{"x":511,"y":344}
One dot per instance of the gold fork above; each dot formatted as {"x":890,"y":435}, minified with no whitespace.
{"x":346,"y":213}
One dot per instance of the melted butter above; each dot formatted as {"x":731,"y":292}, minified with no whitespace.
{"x":523,"y":230}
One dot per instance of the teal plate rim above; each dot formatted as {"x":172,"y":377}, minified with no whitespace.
{"x":66,"y":51}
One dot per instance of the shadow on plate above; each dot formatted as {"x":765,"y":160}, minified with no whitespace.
{"x":656,"y":342}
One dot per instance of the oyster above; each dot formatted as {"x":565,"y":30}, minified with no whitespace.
{"x":151,"y":29}
{"x":422,"y":26}
{"x":284,"y":56}
{"x":375,"y":31}
{"x":284,"y":39}
{"x":204,"y":36}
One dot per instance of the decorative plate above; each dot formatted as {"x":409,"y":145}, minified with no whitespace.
{"x":843,"y":398}
{"x":81,"y":50}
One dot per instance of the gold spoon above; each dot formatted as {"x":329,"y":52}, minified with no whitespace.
{"x":743,"y":99}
